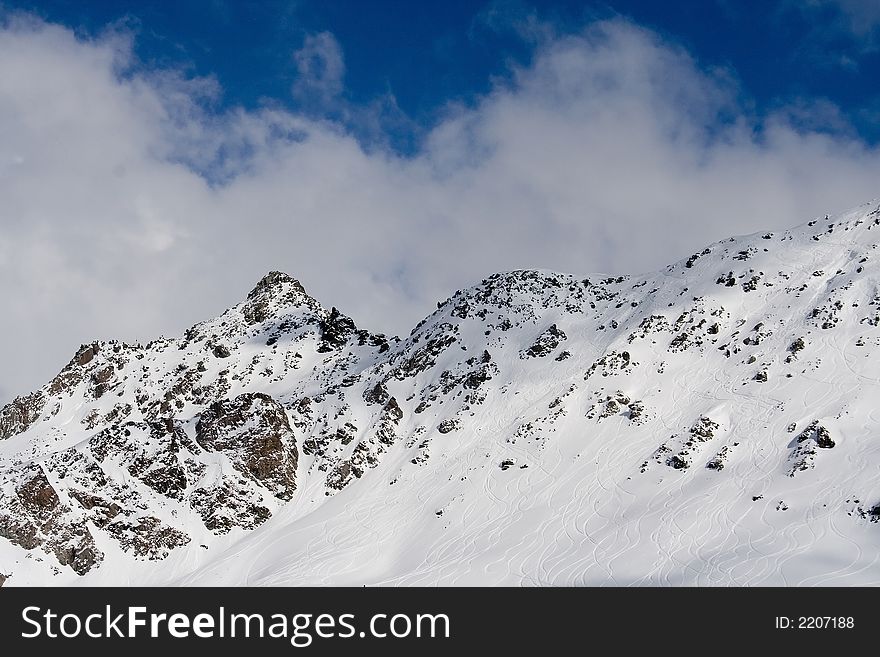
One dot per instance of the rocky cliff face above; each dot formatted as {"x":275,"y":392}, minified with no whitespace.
{"x":689,"y":426}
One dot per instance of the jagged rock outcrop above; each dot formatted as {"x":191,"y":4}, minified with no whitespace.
{"x":253,"y":432}
{"x":18,"y":415}
{"x":32,"y":516}
{"x":335,"y":331}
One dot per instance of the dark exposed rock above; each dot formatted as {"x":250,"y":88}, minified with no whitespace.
{"x":103,"y":511}
{"x":817,"y":433}
{"x":690,"y":261}
{"x":76,"y":548}
{"x":253,"y":431}
{"x":546,"y":343}
{"x":704,"y":428}
{"x":392,"y":411}
{"x":73,"y":372}
{"x":318,"y":444}
{"x":379,"y":340}
{"x":147,"y":537}
{"x":103,"y":375}
{"x":727,"y":280}
{"x":221,"y":351}
{"x":378,"y":394}
{"x":367,"y":452}
{"x":224,"y":507}
{"x":611,"y":363}
{"x":36,"y":518}
{"x":717,"y":462}
{"x":425,"y":357}
{"x":20,"y":413}
{"x":478,"y":377}
{"x":612,"y":407}
{"x":100,"y":380}
{"x":346,"y":433}
{"x":678,"y":342}
{"x":86,"y":353}
{"x":37,"y":494}
{"x":149,"y":451}
{"x":460,"y":310}
{"x":448,"y":425}
{"x":340,"y":475}
{"x":823,"y":438}
{"x":19,"y":530}
{"x":702,"y":431}
{"x":752,"y":284}
{"x":169,"y":481}
{"x":636,"y":410}
{"x":335,"y":330}
{"x":807,"y":442}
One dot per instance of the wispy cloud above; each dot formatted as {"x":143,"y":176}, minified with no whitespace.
{"x":862,"y":17}
{"x":515,"y":17}
{"x":857,"y":22}
{"x":132,"y":208}
{"x":321,"y":68}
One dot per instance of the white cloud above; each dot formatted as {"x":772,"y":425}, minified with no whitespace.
{"x":321,"y":69}
{"x":613,"y":152}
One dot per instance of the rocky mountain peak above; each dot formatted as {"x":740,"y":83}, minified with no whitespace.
{"x":276,"y":282}
{"x":275,"y":293}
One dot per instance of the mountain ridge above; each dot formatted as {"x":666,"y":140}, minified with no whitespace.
{"x":525,"y":423}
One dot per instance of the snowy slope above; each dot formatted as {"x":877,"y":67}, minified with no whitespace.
{"x":715,"y":423}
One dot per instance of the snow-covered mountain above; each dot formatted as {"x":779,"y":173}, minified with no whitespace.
{"x":714,"y":423}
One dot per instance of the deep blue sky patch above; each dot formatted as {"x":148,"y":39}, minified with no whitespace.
{"x":428,"y":54}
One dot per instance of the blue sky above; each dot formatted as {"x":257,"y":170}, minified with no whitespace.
{"x":156,"y":159}
{"x":427,"y":54}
